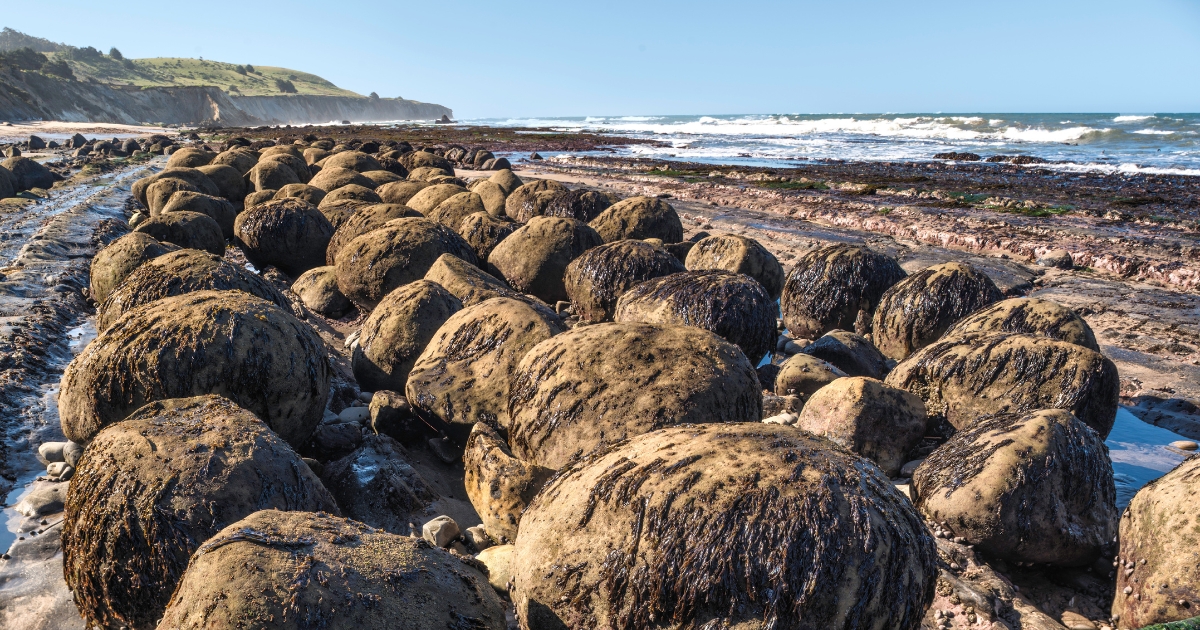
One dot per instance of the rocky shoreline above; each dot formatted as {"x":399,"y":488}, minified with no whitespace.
{"x":409,"y":301}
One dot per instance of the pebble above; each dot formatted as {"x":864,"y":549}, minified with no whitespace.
{"x":366,"y":396}
{"x":61,"y":471}
{"x":783,"y":418}
{"x":907,"y":469}
{"x":445,"y":450}
{"x":479,"y":537}
{"x":50,"y":452}
{"x":794,"y":347}
{"x":440,"y":531}
{"x":355,"y":414}
{"x":1075,"y":621}
{"x":72,"y":452}
{"x":1185,"y":445}
{"x":1128,"y":590}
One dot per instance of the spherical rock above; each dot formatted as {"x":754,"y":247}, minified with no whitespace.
{"x":366,"y":219}
{"x":850,"y":352}
{"x":294,"y":162}
{"x":1027,"y":487}
{"x":803,"y":375}
{"x":228,"y":343}
{"x":738,"y":254}
{"x":240,"y":160}
{"x":732,"y":305}
{"x":338,"y":211}
{"x":398,"y":331}
{"x":160,"y":192}
{"x":1158,"y":540}
{"x":428,"y":173}
{"x":454,"y":209}
{"x":518,"y":205}
{"x":304,"y":192}
{"x":368,"y":579}
{"x":484,"y":232}
{"x":350,"y":191}
{"x":149,"y":490}
{"x":287,"y":233}
{"x":428,"y":198}
{"x":639,"y":218}
{"x":597,"y":385}
{"x":869,"y":418}
{"x":507,"y":180}
{"x":492,"y":196}
{"x":732,"y":526}
{"x":417,"y":159}
{"x":915,"y":311}
{"x":534,"y":258}
{"x":318,"y":290}
{"x":353,"y":160}
{"x":220,"y":210}
{"x":829,"y":288}
{"x":598,"y":278}
{"x":1028,"y":316}
{"x":383,"y":177}
{"x":119,"y":258}
{"x":29,"y":174}
{"x":499,"y":485}
{"x":964,"y":379}
{"x":227,"y":180}
{"x":402,"y":251}
{"x":180,"y":272}
{"x":465,"y":372}
{"x":581,"y":205}
{"x":400,"y":192}
{"x":470,"y":284}
{"x":330,"y":179}
{"x":261,"y":196}
{"x":378,"y":486}
{"x":190,"y":230}
{"x":271,"y":175}
{"x":189,"y":157}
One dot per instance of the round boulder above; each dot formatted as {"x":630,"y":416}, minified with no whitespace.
{"x":293,"y":161}
{"x":492,"y":196}
{"x":228,"y":343}
{"x":241,"y":160}
{"x":534,"y":258}
{"x":869,"y":418}
{"x":850,"y":352}
{"x":400,"y":192}
{"x":271,"y":175}
{"x":803,"y":375}
{"x":1028,"y":316}
{"x":287,"y":233}
{"x":318,"y":290}
{"x":353,"y":160}
{"x":639,"y":218}
{"x":465,"y":372}
{"x":160,"y":191}
{"x":294,"y":570}
{"x":304,"y":192}
{"x":469,"y":283}
{"x":190,"y":230}
{"x":150,"y":490}
{"x":227,"y":180}
{"x":483,"y":232}
{"x":398,"y":331}
{"x":737,"y":254}
{"x":350,"y":191}
{"x":331,"y":179}
{"x":402,"y":251}
{"x":1026,"y":487}
{"x":365,"y":219}
{"x":220,"y":210}
{"x":29,"y":174}
{"x":453,"y":210}
{"x":834,"y":287}
{"x":964,"y":379}
{"x":581,"y":205}
{"x":189,"y":157}
{"x":119,"y":258}
{"x":732,"y":305}
{"x":918,"y":309}
{"x":338,"y":211}
{"x":597,"y":279}
{"x":507,"y":180}
{"x":734,"y":526}
{"x":596,"y":385}
{"x":430,"y":197}
{"x":179,"y":272}
{"x":519,"y":205}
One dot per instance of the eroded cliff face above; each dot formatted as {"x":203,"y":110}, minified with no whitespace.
{"x":32,"y":96}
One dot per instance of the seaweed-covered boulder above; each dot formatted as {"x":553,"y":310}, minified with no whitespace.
{"x":227,"y":179}
{"x":454,"y":209}
{"x":190,"y":176}
{"x":428,"y":174}
{"x":271,"y":175}
{"x":331,"y":179}
{"x":499,"y":485}
{"x":834,"y":287}
{"x":507,"y":180}
{"x":397,"y":332}
{"x":534,"y":258}
{"x":228,"y":343}
{"x":150,"y":490}
{"x":732,"y":305}
{"x":803,"y":375}
{"x":377,"y":485}
{"x":734,"y":526}
{"x":119,"y":258}
{"x":241,"y":160}
{"x":417,"y":159}
{"x":303,"y":192}
{"x":863,"y":415}
{"x":402,"y":251}
{"x":466,"y":370}
{"x":161,"y":190}
{"x":597,"y":385}
{"x":639,"y":218}
{"x":190,"y":157}
{"x":491,"y":195}
{"x":738,"y":254}
{"x":519,"y":205}
{"x":365,"y":219}
{"x":915,"y":311}
{"x":179,"y":272}
{"x":190,"y":230}
{"x":288,"y":233}
{"x":350,"y":191}
{"x":430,"y":197}
{"x":1158,"y":577}
{"x":29,"y":174}
{"x":261,"y":196}
{"x":400,"y":192}
{"x":293,"y":161}
{"x":1034,"y":487}
{"x":338,"y":211}
{"x":469,"y":283}
{"x":220,"y":210}
{"x":850,"y":352}
{"x":382,"y":177}
{"x":581,"y":205}
{"x":352,"y":577}
{"x":597,"y":279}
{"x":353,"y":160}
{"x":1028,"y":316}
{"x":484,"y":232}
{"x":964,"y":379}
{"x":318,"y":290}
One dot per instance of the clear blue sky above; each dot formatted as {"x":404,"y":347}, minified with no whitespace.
{"x":500,"y":59}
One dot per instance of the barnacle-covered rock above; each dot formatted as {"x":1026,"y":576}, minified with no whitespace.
{"x":522,"y":202}
{"x":918,"y":309}
{"x":288,"y":233}
{"x":190,"y":230}
{"x":397,"y":332}
{"x":803,"y":375}
{"x":1028,"y":316}
{"x":833,"y":287}
{"x":367,"y":218}
{"x":499,"y":485}
{"x":595,"y":280}
{"x":484,"y":232}
{"x":318,"y":290}
{"x":119,"y":258}
{"x":865,"y":416}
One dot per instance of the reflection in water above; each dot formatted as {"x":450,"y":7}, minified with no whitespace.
{"x":1140,"y":454}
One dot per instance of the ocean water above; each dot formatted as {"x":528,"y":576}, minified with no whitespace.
{"x":1115,"y":142}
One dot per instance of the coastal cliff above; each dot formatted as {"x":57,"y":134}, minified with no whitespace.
{"x":34,"y":96}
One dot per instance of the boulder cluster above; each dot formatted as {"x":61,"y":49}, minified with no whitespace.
{"x":639,"y":444}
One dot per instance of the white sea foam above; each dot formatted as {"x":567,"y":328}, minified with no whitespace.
{"x":1154,"y":132}
{"x":1130,"y":118}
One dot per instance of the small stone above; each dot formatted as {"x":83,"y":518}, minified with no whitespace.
{"x":46,"y":499}
{"x":1075,"y":621}
{"x":478,"y":537}
{"x":355,"y":414}
{"x":1059,"y":258}
{"x":391,"y":415}
{"x":1128,"y":590}
{"x":366,"y":397}
{"x":1185,"y":445}
{"x":459,"y":548}
{"x":907,"y":469}
{"x":60,"y":470}
{"x":50,"y":452}
{"x":562,"y":307}
{"x":795,"y":346}
{"x":440,"y":531}
{"x":72,"y":452}
{"x":445,"y":449}
{"x":783,"y":418}
{"x":954,"y":566}
{"x":498,"y":562}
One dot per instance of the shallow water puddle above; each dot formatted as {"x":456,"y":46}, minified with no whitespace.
{"x":1140,"y":453}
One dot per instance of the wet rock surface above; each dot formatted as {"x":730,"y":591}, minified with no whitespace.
{"x":597,"y":279}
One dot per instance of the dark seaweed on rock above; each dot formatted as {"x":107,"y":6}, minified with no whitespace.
{"x":581,"y":205}
{"x":484,"y":232}
{"x":714,"y":526}
{"x":595,"y":280}
{"x":829,"y":286}
{"x":734,"y":306}
{"x":288,"y":233}
{"x":1029,"y":316}
{"x":918,"y":309}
